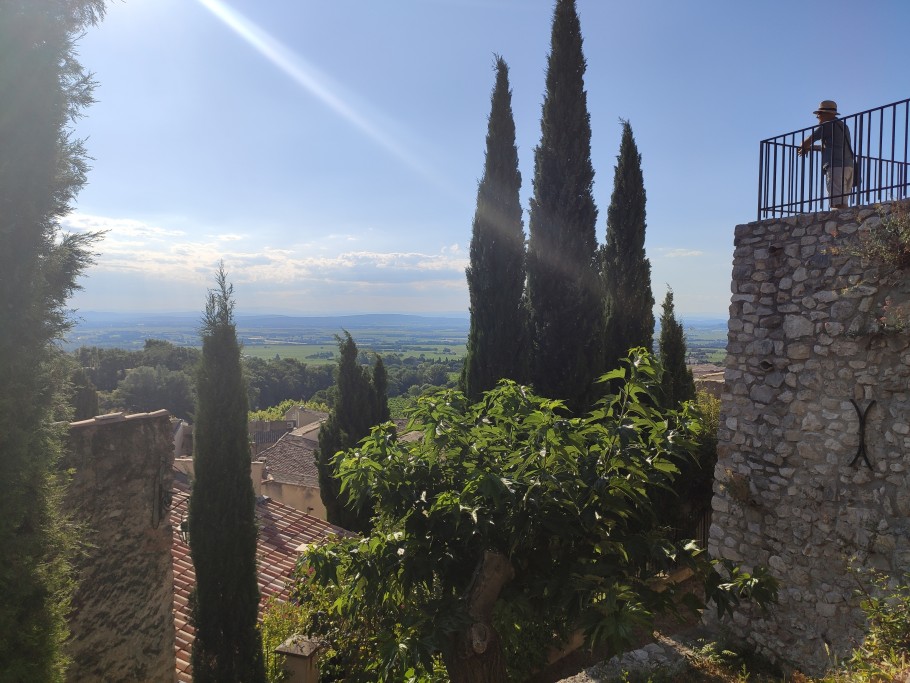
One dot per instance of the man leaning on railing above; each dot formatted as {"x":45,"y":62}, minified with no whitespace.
{"x":837,"y":153}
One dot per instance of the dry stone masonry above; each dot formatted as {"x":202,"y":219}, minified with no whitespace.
{"x":814,"y":457}
{"x":122,"y":626}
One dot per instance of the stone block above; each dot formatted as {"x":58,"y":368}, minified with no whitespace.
{"x":796,"y":326}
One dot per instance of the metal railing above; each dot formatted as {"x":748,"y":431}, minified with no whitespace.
{"x":790,"y":183}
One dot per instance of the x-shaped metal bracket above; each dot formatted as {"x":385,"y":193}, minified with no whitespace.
{"x":861,"y":414}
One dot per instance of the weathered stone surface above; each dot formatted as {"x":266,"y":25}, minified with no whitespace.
{"x":791,"y":432}
{"x":122,"y":625}
{"x":796,"y":326}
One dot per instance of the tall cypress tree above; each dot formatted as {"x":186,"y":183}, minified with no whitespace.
{"x":42,"y":169}
{"x":563,"y":292}
{"x":355,"y":411}
{"x":222,"y":521}
{"x":380,"y":383}
{"x":626,"y":271}
{"x":677,"y":384}
{"x":496,"y":274}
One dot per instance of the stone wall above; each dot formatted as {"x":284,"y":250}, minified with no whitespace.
{"x":122,"y":625}
{"x":792,"y":490}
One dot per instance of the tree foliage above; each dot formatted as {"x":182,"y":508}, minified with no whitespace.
{"x":676,"y":384}
{"x":626,"y":271}
{"x":84,"y":397}
{"x":145,"y":389}
{"x":508,"y":499}
{"x":278,"y":379}
{"x":496,"y":274}
{"x":380,"y":390}
{"x":355,"y":410}
{"x":222,"y":524}
{"x":563,"y":291}
{"x":42,"y":169}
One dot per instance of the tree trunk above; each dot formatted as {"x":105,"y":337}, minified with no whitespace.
{"x":475,"y":653}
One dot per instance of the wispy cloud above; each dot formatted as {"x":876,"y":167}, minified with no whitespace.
{"x":668,"y":252}
{"x":155,"y":253}
{"x":121,"y":227}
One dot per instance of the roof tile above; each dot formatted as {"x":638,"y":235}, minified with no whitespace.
{"x":282,"y":529}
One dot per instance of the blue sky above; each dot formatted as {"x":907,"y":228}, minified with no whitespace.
{"x":329,"y":152}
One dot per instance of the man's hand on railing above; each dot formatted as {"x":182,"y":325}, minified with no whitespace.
{"x":805,"y":148}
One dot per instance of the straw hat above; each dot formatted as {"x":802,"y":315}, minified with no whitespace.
{"x":826,"y":107}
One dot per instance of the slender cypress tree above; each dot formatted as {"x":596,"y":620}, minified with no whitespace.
{"x":677,"y":384}
{"x":626,"y":271}
{"x":381,"y":390}
{"x":222,"y":521}
{"x":355,"y":411}
{"x":496,"y":275}
{"x":564,"y":294}
{"x":42,"y":169}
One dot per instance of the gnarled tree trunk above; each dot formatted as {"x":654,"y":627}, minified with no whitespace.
{"x":475,"y":653}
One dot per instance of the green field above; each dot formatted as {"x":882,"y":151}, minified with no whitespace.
{"x":322,"y":354}
{"x":706,"y":343}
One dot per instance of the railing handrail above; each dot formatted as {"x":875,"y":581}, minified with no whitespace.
{"x":791,"y":183}
{"x":856,"y":154}
{"x":847,"y":116}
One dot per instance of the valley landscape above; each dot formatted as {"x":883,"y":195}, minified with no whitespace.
{"x":311,"y":339}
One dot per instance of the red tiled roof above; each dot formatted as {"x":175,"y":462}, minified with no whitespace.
{"x":282,"y":530}
{"x":292,"y":460}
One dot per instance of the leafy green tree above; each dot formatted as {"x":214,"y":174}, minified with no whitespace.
{"x":42,"y":169}
{"x":676,"y":384}
{"x":84,"y":396}
{"x":222,"y":523}
{"x":496,"y":274}
{"x":273,"y":381}
{"x":509,"y":500}
{"x":563,"y":291}
{"x":355,"y":411}
{"x":106,"y":367}
{"x":278,"y":412}
{"x":626,"y":271}
{"x":162,"y":352}
{"x":145,"y":389}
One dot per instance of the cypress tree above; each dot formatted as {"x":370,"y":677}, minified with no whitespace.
{"x":496,"y":274}
{"x":626,"y":271}
{"x":563,"y":292}
{"x":222,"y":521}
{"x":677,"y":384}
{"x":355,"y":411}
{"x":42,"y":169}
{"x":381,"y":390}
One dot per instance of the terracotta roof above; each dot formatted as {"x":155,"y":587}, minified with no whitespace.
{"x":309,"y":432}
{"x":292,"y":460}
{"x":268,"y":436}
{"x":282,"y":530}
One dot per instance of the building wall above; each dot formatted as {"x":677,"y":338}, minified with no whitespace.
{"x":304,"y":498}
{"x":122,"y":625}
{"x":804,"y":341}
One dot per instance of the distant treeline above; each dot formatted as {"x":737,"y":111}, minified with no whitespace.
{"x":162,"y":375}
